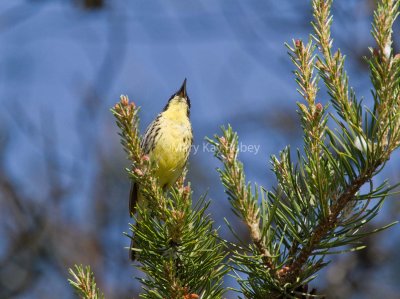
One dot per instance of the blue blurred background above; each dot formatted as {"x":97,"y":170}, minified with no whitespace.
{"x":63,"y":188}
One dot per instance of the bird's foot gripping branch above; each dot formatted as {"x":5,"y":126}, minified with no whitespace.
{"x":177,"y":247}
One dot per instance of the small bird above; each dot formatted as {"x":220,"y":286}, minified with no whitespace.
{"x":167,"y":142}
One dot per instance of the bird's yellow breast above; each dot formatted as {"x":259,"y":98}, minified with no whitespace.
{"x":173,"y":144}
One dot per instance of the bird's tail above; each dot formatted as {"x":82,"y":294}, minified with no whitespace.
{"x":133,"y":253}
{"x":135,"y":199}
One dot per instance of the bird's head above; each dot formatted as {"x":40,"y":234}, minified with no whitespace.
{"x":179,"y":102}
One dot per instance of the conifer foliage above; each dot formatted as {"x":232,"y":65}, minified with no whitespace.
{"x":318,"y":205}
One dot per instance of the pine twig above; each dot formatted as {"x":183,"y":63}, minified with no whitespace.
{"x":84,"y":283}
{"x":244,"y":203}
{"x":127,"y":119}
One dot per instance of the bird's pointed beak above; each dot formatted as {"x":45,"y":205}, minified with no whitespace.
{"x":182,"y":91}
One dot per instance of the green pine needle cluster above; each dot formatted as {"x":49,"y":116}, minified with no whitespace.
{"x":84,"y":283}
{"x":181,"y":256}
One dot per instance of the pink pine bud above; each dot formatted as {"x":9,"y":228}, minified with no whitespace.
{"x":138,"y":172}
{"x":124,"y":100}
{"x":319,"y":107}
{"x":387,"y":50}
{"x":186,"y":189}
{"x":283,"y":271}
{"x":145,"y":158}
{"x":298,"y":43}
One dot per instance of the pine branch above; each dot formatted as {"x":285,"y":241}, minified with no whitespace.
{"x":331,"y":65}
{"x":181,"y":255}
{"x":332,"y":72}
{"x":312,"y":117}
{"x":385,"y":76}
{"x":84,"y":283}
{"x":126,"y":114}
{"x":317,"y":205}
{"x":177,"y":246}
{"x":244,"y":203}
{"x":325,"y":226}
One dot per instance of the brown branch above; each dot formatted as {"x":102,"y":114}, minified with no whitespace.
{"x":327,"y":224}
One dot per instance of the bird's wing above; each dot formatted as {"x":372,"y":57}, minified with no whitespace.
{"x":147,"y":145}
{"x":148,"y":141}
{"x":133,"y":198}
